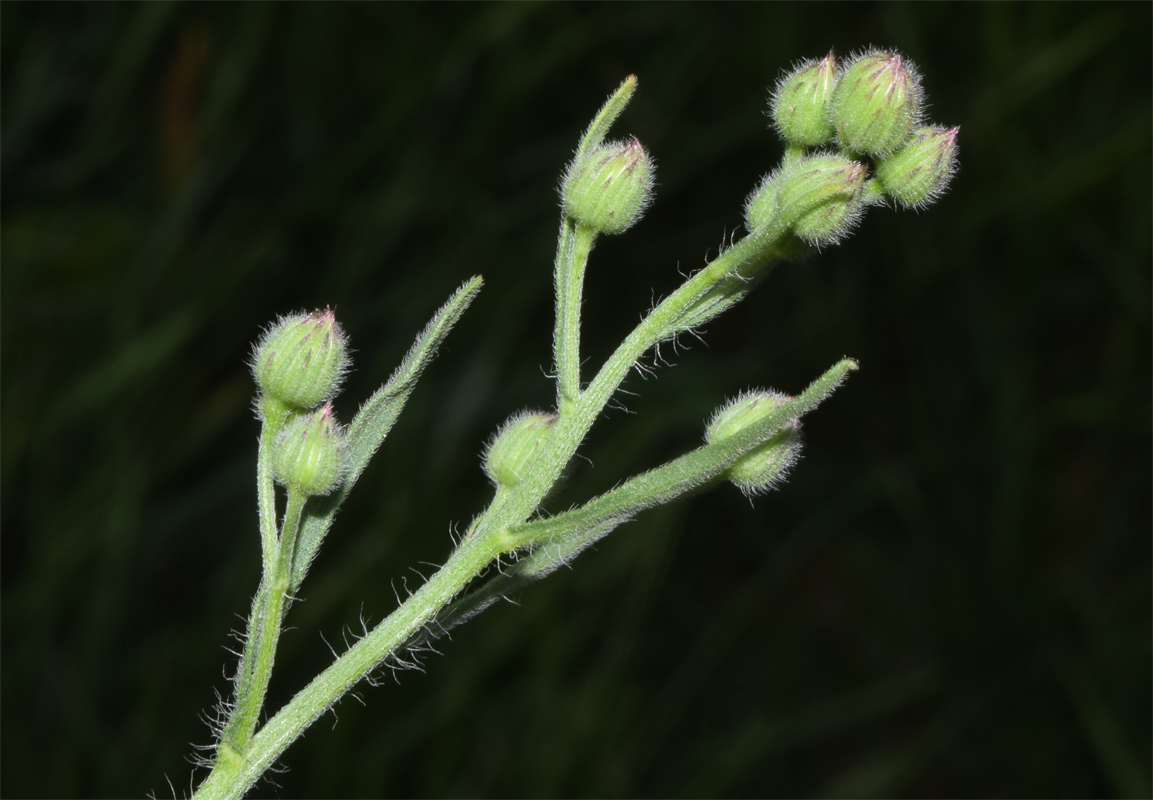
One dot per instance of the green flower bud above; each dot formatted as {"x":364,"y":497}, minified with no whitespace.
{"x":761,"y":205}
{"x":302,"y":359}
{"x":515,"y":446}
{"x":918,"y":173}
{"x":309,"y":452}
{"x":822,"y":196}
{"x":609,"y":188}
{"x":800,"y":102}
{"x":765,"y":466}
{"x":876,"y":104}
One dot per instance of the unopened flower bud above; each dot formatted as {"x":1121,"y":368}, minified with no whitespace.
{"x":309,"y":452}
{"x":302,"y":359}
{"x":761,"y":205}
{"x":876,"y":104}
{"x":609,"y":188}
{"x":821,"y":196}
{"x":800,"y":103}
{"x":918,"y":173}
{"x":516,"y":445}
{"x":763,"y":467}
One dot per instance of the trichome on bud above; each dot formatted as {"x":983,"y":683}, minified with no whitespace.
{"x":302,"y":359}
{"x":919,"y":172}
{"x":876,"y":104}
{"x":765,"y":466}
{"x":608,"y":189}
{"x":309,"y":452}
{"x":800,"y":104}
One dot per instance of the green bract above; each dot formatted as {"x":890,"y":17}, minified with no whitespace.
{"x":515,"y":446}
{"x":608,"y":189}
{"x":876,"y":103}
{"x":766,"y":465}
{"x":309,"y":452}
{"x":820,"y":196}
{"x":920,"y":171}
{"x":800,"y":103}
{"x":301,"y":360}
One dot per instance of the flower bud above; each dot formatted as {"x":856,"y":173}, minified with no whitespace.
{"x":309,"y":452}
{"x":766,"y":465}
{"x":799,"y":105}
{"x":918,"y":173}
{"x":761,"y":205}
{"x":821,"y":196}
{"x":609,"y":188}
{"x":302,"y":359}
{"x":876,"y":103}
{"x":515,"y":446}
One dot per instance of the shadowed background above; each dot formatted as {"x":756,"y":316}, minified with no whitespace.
{"x":950,"y":597}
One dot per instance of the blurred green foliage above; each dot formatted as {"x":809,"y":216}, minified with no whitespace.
{"x":951,"y":597}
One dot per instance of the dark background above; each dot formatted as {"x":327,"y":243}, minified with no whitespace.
{"x":951,"y":597}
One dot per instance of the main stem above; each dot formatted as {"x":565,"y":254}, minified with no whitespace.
{"x":232,"y":777}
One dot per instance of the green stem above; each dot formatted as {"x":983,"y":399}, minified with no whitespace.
{"x":683,"y":474}
{"x":661,"y":323}
{"x":570,"y":285}
{"x":548,"y":542}
{"x":231,"y":777}
{"x":237,"y":768}
{"x":274,"y":413}
{"x":260,"y":649}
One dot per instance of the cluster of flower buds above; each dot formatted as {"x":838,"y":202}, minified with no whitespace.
{"x":764,"y":467}
{"x":299,"y":364}
{"x":608,"y":189}
{"x":869,"y":108}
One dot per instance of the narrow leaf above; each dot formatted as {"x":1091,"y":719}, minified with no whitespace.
{"x":678,"y":476}
{"x":373,"y":422}
{"x":606,"y":117}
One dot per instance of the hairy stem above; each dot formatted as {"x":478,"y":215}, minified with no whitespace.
{"x":260,"y":651}
{"x":274,"y":413}
{"x":570,"y":285}
{"x":232,"y":777}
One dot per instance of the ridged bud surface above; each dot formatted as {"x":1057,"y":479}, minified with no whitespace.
{"x":309,"y":453}
{"x":762,"y":468}
{"x":919,"y":172}
{"x":609,"y":188}
{"x":516,"y":445}
{"x":761,"y":206}
{"x":302,"y":359}
{"x":821,"y":196}
{"x":876,"y":104}
{"x":800,"y":103}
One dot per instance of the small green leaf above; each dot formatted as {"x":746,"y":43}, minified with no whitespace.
{"x":678,"y":476}
{"x":606,"y":117}
{"x":373,"y":422}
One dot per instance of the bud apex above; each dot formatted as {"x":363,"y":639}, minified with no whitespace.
{"x":821,"y":196}
{"x":876,"y":103}
{"x":309,"y":452}
{"x":762,"y":468}
{"x":799,"y":105}
{"x":516,"y":445}
{"x":609,"y":188}
{"x":302,"y":359}
{"x":918,"y":173}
